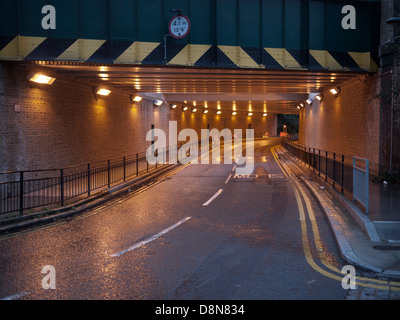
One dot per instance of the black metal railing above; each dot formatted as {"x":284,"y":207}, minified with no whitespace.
{"x":337,"y":169}
{"x":25,"y":190}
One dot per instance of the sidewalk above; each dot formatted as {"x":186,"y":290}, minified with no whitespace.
{"x":368,"y":242}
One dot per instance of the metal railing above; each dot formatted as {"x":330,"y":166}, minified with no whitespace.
{"x":25,"y":190}
{"x":340,"y":170}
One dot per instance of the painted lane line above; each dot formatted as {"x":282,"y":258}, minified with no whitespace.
{"x":155,"y":237}
{"x":234,"y":168}
{"x":16,"y":296}
{"x":213,"y":197}
{"x":227,"y":180}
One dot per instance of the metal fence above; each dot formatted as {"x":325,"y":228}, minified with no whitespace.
{"x":348,"y":174}
{"x":25,"y":190}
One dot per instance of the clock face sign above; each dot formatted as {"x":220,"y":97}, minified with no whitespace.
{"x":179,"y":26}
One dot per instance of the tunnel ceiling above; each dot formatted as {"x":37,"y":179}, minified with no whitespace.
{"x":264,"y":90}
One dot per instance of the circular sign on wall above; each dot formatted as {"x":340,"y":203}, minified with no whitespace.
{"x":179,"y":26}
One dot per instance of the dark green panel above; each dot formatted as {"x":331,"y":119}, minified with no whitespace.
{"x":30,"y":14}
{"x":202,"y":19}
{"x":272,"y":24}
{"x":150,"y":24}
{"x":123,"y":20}
{"x":9,"y":18}
{"x":67,"y":19}
{"x":227,"y":33}
{"x":292,"y":30}
{"x":249,"y":23}
{"x":94,"y":19}
{"x":317,"y":25}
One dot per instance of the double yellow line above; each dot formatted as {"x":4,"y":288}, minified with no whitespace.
{"x":331,"y":271}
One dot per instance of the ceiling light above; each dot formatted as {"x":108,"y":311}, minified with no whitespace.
{"x":250,"y":114}
{"x":319,"y":97}
{"x":309,"y":101}
{"x":234,"y":113}
{"x":137,"y":98}
{"x":40,"y":78}
{"x":265,"y":114}
{"x":184,"y":108}
{"x":219,"y":112}
{"x":158,"y":102}
{"x":334,"y":91}
{"x":205,"y":111}
{"x":194,"y":109}
{"x":172,"y":106}
{"x":298,"y":107}
{"x":103,"y":92}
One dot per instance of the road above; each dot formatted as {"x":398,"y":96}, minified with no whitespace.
{"x":202,"y":233}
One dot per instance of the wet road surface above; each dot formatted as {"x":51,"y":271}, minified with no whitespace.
{"x":202,"y":233}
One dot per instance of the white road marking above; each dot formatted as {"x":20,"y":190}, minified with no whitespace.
{"x":227,"y":180}
{"x":16,"y":296}
{"x":155,"y":237}
{"x":234,"y":168}
{"x":213,"y":197}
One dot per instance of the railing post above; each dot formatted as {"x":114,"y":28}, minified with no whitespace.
{"x":108,"y":173}
{"x":334,"y":169}
{"x":137,"y":164}
{"x":88,"y":179}
{"x":21,"y":193}
{"x":342,"y":184}
{"x":319,"y":163}
{"x":124,"y":169}
{"x":62,"y":187}
{"x":326,"y":165}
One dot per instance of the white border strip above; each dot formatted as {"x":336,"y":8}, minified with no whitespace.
{"x":213,"y":197}
{"x":155,"y":237}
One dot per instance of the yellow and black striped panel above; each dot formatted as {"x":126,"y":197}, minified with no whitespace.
{"x":24,"y":48}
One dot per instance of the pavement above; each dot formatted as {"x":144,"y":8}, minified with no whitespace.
{"x":370,"y":242}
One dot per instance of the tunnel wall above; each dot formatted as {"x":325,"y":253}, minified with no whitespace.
{"x":348,"y":124}
{"x":46,"y":127}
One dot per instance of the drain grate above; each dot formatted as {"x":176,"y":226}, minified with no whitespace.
{"x":396,"y":248}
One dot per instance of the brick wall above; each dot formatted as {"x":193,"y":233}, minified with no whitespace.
{"x":348,"y":124}
{"x":64,"y":124}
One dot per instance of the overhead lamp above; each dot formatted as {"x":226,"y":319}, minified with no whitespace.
{"x":234,"y":113}
{"x":103,"y":91}
{"x":309,"y":101}
{"x":334,"y":91}
{"x":319,"y":97}
{"x":298,"y":107}
{"x":194,"y":109}
{"x":172,"y":106}
{"x":250,"y":114}
{"x":302,"y":105}
{"x":265,"y":114}
{"x":205,"y":111}
{"x":136,"y":98}
{"x":158,"y":103}
{"x":40,"y":78}
{"x":218,"y":112}
{"x":184,"y":108}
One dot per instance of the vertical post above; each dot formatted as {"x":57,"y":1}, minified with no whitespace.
{"x":88,"y":179}
{"x":108,"y":173}
{"x":326,"y":165}
{"x":342,"y":182}
{"x":21,"y":193}
{"x":319,"y":163}
{"x":62,"y":187}
{"x":354,"y":178}
{"x":366,"y":187}
{"x":124,"y":169}
{"x":334,"y":169}
{"x":137,"y":164}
